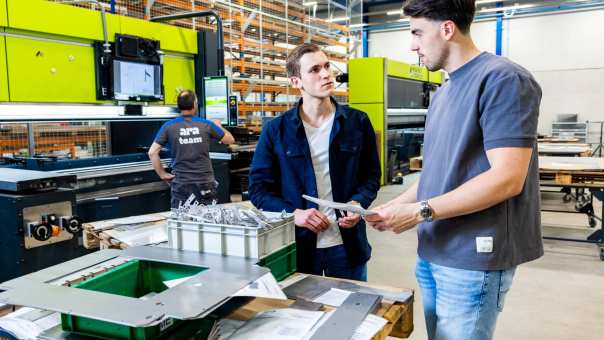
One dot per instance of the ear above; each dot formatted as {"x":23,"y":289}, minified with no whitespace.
{"x":296,"y":82}
{"x":448,"y":29}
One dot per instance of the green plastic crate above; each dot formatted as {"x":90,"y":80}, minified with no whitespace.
{"x":281,"y":263}
{"x":133,"y":279}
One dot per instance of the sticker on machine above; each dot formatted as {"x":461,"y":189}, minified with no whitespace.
{"x":484,"y":244}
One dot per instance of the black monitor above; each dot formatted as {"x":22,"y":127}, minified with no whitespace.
{"x":135,"y":81}
{"x":216,"y":95}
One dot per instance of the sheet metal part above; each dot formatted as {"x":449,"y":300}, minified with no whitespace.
{"x":100,"y":306}
{"x":61,"y":270}
{"x":342,"y":324}
{"x":193,"y":298}
{"x":313,"y":286}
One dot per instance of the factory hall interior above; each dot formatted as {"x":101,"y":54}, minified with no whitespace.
{"x":301,"y":170}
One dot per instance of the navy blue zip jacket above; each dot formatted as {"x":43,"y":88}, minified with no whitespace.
{"x":282,"y":171}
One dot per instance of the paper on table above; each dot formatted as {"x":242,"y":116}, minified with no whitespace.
{"x":340,"y":206}
{"x":370,"y":327}
{"x":266,"y":287}
{"x":49,"y":321}
{"x":280,"y":324}
{"x":224,"y":328}
{"x":175,"y":282}
{"x":19,"y":328}
{"x":333,"y":297}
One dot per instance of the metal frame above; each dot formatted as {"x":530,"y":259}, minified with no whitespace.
{"x":194,"y":298}
{"x":596,"y":237}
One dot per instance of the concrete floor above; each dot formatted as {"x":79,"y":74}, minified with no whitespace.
{"x":559,"y":296}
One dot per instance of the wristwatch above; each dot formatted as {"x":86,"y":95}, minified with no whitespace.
{"x":425,"y":211}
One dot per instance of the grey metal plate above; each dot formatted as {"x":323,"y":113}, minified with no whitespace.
{"x":312,"y":286}
{"x":342,"y":324}
{"x":101,"y":306}
{"x":198,"y":296}
{"x":60,"y":270}
{"x":193,"y":298}
{"x":247,"y":268}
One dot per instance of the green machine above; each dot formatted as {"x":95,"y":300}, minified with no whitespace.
{"x":396,"y":96}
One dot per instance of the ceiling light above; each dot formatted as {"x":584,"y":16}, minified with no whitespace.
{"x":357,"y":25}
{"x":338,"y":19}
{"x":506,"y":8}
{"x":310,"y":3}
{"x":397,"y":12}
{"x":481,"y":2}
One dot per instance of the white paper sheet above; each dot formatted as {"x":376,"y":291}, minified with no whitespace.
{"x":280,"y":324}
{"x":333,"y":297}
{"x":19,"y":328}
{"x":266,"y":287}
{"x":366,"y":330}
{"x":370,"y":327}
{"x":224,"y":328}
{"x":175,"y":282}
{"x":340,"y":206}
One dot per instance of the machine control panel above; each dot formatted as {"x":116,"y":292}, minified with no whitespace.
{"x":49,"y":223}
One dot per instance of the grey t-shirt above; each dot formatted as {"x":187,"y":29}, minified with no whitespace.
{"x":188,"y":139}
{"x":489,"y":102}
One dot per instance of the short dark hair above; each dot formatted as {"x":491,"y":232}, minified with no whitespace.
{"x":293,"y":59}
{"x":186,"y":100}
{"x":461,"y":12}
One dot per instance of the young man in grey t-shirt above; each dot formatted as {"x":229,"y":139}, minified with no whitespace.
{"x":188,"y":138}
{"x":477,"y":202}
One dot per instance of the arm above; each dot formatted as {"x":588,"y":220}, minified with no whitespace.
{"x":499,"y":183}
{"x":156,"y":162}
{"x":263,"y":183}
{"x":227,"y":137}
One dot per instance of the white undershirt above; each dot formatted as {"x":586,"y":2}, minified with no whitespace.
{"x":318,"y":141}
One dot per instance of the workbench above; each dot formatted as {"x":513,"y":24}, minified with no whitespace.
{"x":399,"y":314}
{"x":586,"y":176}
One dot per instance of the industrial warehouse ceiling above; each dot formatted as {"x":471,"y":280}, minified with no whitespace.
{"x":388,"y":14}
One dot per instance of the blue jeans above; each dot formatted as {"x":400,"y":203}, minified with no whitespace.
{"x":461,"y":304}
{"x":333,"y":262}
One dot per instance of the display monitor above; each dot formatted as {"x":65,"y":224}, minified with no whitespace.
{"x":216,"y":99}
{"x":137,"y":81}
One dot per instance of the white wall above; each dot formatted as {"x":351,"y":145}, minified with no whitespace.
{"x":565,"y":53}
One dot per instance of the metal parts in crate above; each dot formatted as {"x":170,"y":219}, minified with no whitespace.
{"x":229,"y":230}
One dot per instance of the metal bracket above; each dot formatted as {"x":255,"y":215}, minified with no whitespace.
{"x":194,"y":298}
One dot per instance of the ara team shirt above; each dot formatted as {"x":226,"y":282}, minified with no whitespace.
{"x":188,"y":139}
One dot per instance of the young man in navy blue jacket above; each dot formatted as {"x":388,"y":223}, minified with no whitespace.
{"x":325,"y":150}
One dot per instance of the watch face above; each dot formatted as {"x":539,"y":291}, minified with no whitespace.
{"x":425,"y":212}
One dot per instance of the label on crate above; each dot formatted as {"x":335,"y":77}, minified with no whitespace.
{"x":164,"y":324}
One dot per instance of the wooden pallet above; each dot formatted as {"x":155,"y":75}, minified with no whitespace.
{"x":572,"y":176}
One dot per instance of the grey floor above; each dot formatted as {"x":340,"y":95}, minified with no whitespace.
{"x":559,"y":296}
